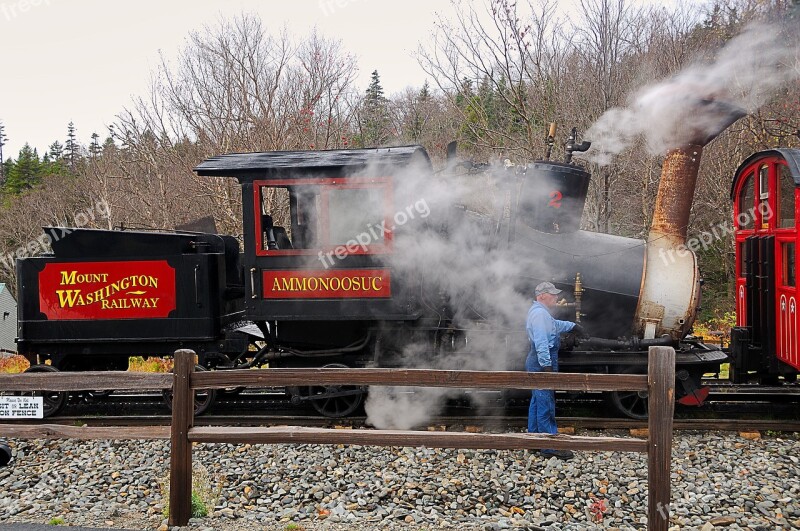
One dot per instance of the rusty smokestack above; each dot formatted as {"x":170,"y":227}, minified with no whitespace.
{"x":670,"y":294}
{"x":681,"y":164}
{"x":675,"y":194}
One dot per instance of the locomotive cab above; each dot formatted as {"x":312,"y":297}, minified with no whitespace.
{"x":318,"y":229}
{"x":764,"y":344}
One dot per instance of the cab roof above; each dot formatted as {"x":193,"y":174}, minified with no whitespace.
{"x":790,"y":155}
{"x":298,"y":164}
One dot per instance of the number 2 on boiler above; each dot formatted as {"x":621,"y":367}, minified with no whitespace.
{"x":555,"y":199}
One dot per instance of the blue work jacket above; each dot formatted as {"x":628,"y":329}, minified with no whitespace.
{"x":544,"y":333}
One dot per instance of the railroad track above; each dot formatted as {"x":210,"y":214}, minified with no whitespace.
{"x":753,"y":408}
{"x":442,"y":423}
{"x":720,"y":391}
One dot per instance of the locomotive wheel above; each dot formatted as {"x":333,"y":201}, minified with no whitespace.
{"x":5,"y":453}
{"x":54,"y":401}
{"x":202,"y":399}
{"x":631,"y":404}
{"x":335,"y":406}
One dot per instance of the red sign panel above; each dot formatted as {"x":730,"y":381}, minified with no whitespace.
{"x":328,"y":284}
{"x":107,"y":290}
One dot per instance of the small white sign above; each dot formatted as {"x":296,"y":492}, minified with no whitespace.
{"x":21,"y":407}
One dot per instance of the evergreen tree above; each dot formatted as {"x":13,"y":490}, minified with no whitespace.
{"x":3,"y":139}
{"x":71,"y":148}
{"x":420,"y":109}
{"x":56,"y":150}
{"x":7,"y":165}
{"x":425,"y":92}
{"x":94,"y":147}
{"x":53,"y":161}
{"x":464,"y":93}
{"x":25,"y":173}
{"x":374,"y":114}
{"x":109,"y":146}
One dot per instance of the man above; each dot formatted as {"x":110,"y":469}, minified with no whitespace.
{"x":544,"y":334}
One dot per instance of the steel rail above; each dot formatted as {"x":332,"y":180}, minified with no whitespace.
{"x":492,"y":423}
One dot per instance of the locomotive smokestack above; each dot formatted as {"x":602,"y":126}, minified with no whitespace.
{"x":706,"y":118}
{"x":670,"y":292}
{"x":675,"y":194}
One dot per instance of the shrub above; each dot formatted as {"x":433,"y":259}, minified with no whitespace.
{"x":203,"y":495}
{"x":717,"y":328}
{"x":13,"y":364}
{"x":199,"y":509}
{"x":139,"y":364}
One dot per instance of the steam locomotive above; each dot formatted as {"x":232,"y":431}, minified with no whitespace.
{"x":334,"y":272}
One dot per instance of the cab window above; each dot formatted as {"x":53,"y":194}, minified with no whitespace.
{"x":742,"y":259}
{"x":745,"y":218}
{"x":788,"y":266}
{"x":293,"y":216}
{"x":354,"y":213}
{"x":786,"y":184}
{"x":763,"y":194}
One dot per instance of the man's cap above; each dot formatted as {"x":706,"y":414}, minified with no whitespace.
{"x":547,"y":287}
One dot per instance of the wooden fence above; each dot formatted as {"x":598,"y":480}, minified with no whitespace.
{"x":659,"y":383}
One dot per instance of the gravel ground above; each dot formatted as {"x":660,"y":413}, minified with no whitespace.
{"x":718,"y":479}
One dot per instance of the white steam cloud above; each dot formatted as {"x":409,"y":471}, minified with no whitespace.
{"x":462,"y":276}
{"x":456,"y":258}
{"x":688,"y":108}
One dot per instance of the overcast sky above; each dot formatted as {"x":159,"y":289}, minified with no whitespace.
{"x":83,"y":60}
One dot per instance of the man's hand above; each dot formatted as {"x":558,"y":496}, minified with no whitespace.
{"x":579,"y":331}
{"x":548,"y":368}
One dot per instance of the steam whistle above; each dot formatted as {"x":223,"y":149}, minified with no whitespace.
{"x":550,"y":140}
{"x":572,"y":146}
{"x":578,"y":296}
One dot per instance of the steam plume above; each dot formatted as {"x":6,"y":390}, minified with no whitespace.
{"x":452,"y":256}
{"x":676,"y":112}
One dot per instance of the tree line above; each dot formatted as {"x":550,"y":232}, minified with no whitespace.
{"x":498,"y":73}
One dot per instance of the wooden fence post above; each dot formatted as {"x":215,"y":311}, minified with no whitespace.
{"x":661,"y":399}
{"x":180,"y":468}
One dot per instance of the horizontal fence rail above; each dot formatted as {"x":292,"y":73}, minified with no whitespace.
{"x":82,"y":381}
{"x":659,"y":383}
{"x":59,"y":431}
{"x":421,"y":378}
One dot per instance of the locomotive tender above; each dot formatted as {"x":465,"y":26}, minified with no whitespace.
{"x":322,"y":282}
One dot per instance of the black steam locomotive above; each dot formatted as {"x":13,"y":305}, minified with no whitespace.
{"x":341,"y":267}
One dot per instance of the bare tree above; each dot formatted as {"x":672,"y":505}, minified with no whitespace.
{"x":609,"y":35}
{"x":497,"y":67}
{"x":234,"y":87}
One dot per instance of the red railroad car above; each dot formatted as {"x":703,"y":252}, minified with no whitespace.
{"x":765,"y":193}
